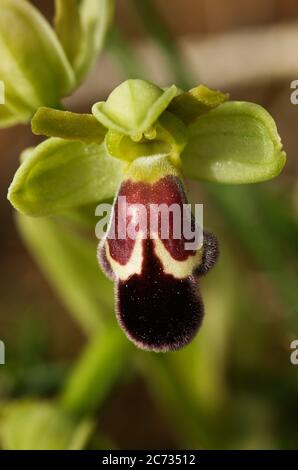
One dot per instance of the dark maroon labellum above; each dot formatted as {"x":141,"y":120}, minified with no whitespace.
{"x":155,"y":272}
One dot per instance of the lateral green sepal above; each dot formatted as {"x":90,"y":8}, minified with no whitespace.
{"x":59,"y":175}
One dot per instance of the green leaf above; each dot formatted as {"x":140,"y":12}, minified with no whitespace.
{"x":67,"y":23}
{"x":60,"y":175}
{"x":95,"y":16}
{"x":33,"y":65}
{"x":133,"y":107}
{"x":69,"y":262}
{"x":67,"y":125}
{"x":236,"y":143}
{"x":37,"y":425}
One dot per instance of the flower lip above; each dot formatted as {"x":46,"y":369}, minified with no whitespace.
{"x":133,"y":107}
{"x":158,"y":304}
{"x":157,"y":311}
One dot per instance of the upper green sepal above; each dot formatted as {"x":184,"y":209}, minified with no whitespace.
{"x":133,"y":107}
{"x":60,"y":175}
{"x":33,"y":65}
{"x":237,"y":142}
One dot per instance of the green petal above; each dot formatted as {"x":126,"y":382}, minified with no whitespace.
{"x":60,"y":175}
{"x":195,"y":102}
{"x":133,"y":107}
{"x":95,"y":18}
{"x":235,"y":143}
{"x":33,"y":65}
{"x":37,"y":425}
{"x":67,"y":125}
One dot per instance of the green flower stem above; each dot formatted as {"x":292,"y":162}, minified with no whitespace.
{"x":155,"y":26}
{"x":95,"y":372}
{"x":178,"y":407}
{"x":69,"y":261}
{"x":67,"y":125}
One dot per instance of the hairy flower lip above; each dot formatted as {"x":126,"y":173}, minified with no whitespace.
{"x":158,"y":314}
{"x":158,"y":304}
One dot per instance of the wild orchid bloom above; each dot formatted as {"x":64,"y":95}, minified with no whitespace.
{"x":152,"y":137}
{"x":157,"y":298}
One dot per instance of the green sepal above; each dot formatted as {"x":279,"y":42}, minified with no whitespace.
{"x":67,"y":125}
{"x":133,"y":107}
{"x":236,"y":143}
{"x":33,"y":66}
{"x":60,"y":175}
{"x":195,"y":102}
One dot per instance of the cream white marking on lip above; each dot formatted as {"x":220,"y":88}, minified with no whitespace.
{"x":134,"y":264}
{"x":178,"y":269}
